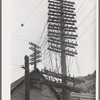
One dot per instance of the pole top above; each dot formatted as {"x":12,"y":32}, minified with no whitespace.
{"x":26,"y":57}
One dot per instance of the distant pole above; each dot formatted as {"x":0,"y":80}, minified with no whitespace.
{"x":27,"y":79}
{"x":35,"y":56}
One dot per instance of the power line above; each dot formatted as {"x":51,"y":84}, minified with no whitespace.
{"x":81,"y":5}
{"x":16,"y":68}
{"x":28,"y":40}
{"x":85,"y":30}
{"x":42,"y":33}
{"x":44,"y":43}
{"x":71,"y":64}
{"x":77,"y":2}
{"x":20,"y":39}
{"x":45,"y":49}
{"x":47,"y":56}
{"x":33,"y":11}
{"x":86,"y":40}
{"x":86,"y":16}
{"x":17,"y":30}
{"x":14,"y":64}
{"x":59,"y":66}
{"x":56,"y":61}
{"x":50,"y":60}
{"x":17,"y":71}
{"x":28,"y":17}
{"x":44,"y":52}
{"x":78,"y":67}
{"x":15,"y":35}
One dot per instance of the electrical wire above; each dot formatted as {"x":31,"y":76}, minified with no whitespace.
{"x":79,"y":25}
{"x":78,"y":67}
{"x":56,"y":61}
{"x":71,"y":65}
{"x":77,"y":2}
{"x":44,"y":52}
{"x":17,"y":30}
{"x":46,"y":56}
{"x":81,"y":5}
{"x":86,"y":16}
{"x":59,"y":66}
{"x":15,"y":64}
{"x":67,"y":65}
{"x":23,"y":37}
{"x":86,"y":40}
{"x":33,"y":11}
{"x":51,"y":60}
{"x":86,"y":29}
{"x":28,"y":17}
{"x":42,"y":33}
{"x":20,"y":39}
{"x":80,"y":13}
{"x":44,"y":43}
{"x":17,"y":71}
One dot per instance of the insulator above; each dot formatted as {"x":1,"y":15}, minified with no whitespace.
{"x":69,"y":2}
{"x":55,"y":15}
{"x":71,"y":11}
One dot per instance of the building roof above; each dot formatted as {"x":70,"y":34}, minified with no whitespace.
{"x":15,"y":84}
{"x":35,"y":74}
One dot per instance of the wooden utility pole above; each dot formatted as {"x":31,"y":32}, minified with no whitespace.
{"x":63,"y":58}
{"x":62,"y":38}
{"x":35,"y":57}
{"x":27,"y":79}
{"x":60,"y":31}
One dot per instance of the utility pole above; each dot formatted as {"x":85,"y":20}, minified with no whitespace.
{"x":63,"y":58}
{"x":61,"y":26}
{"x":27,"y":79}
{"x":35,"y":57}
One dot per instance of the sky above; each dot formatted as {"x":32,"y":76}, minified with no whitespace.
{"x":33,"y":15}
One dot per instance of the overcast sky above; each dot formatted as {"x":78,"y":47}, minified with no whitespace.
{"x":33,"y":14}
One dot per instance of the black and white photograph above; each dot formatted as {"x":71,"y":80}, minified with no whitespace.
{"x":53,"y":45}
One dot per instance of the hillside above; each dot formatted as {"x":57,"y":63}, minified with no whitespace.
{"x":90,"y":84}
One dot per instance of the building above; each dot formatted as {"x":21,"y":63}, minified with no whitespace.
{"x":38,"y":90}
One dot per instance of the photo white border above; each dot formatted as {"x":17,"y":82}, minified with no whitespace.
{"x":6,"y":50}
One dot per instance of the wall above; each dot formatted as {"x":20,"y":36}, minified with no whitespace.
{"x":18,"y":93}
{"x":44,"y":94}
